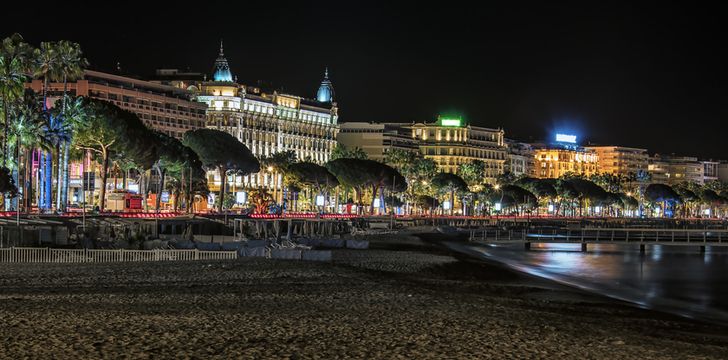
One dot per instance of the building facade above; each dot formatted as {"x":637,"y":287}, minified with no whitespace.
{"x":620,"y":160}
{"x":521,"y":161}
{"x":723,"y":171}
{"x":269,"y":123}
{"x":449,"y":142}
{"x":377,"y":139}
{"x":673,"y":170}
{"x":167,"y":109}
{"x":710,"y":170}
{"x":164,"y":108}
{"x":553,"y":162}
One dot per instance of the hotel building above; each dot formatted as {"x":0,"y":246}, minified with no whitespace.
{"x":167,"y":109}
{"x":377,"y":139}
{"x":269,"y":123}
{"x":619,"y":160}
{"x":449,"y":142}
{"x":553,"y":162}
{"x":710,"y":170}
{"x":674,"y":170}
{"x":164,"y":108}
{"x":521,"y":160}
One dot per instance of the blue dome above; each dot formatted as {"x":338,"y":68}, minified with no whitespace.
{"x":326,"y":90}
{"x":222,"y":69}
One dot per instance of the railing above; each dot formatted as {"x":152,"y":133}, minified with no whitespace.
{"x":48,"y":255}
{"x":604,"y":235}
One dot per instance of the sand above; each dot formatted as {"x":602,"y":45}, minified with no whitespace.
{"x":403,"y":299}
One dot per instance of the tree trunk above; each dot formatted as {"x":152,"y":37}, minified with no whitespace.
{"x":27,"y":180}
{"x":59,"y":172}
{"x":223,"y":182}
{"x":64,"y":177}
{"x":161,"y":173}
{"x":48,"y":181}
{"x":6,"y":110}
{"x":104,"y":177}
{"x":452,"y":202}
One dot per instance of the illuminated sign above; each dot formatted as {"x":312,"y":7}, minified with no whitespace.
{"x":566,"y":138}
{"x":450,"y":121}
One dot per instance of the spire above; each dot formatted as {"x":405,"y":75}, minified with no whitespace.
{"x":221,"y":71}
{"x":326,"y":90}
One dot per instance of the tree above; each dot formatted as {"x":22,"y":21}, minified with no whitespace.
{"x":15,"y":65}
{"x":473,"y":173}
{"x":223,"y":152}
{"x":171,"y":153}
{"x":661,"y":193}
{"x":587,"y":191}
{"x":7,"y":185}
{"x":520,"y":196}
{"x":341,"y":152}
{"x":426,"y":202}
{"x":542,"y":188}
{"x":27,"y":128}
{"x":108,"y":131}
{"x":277,"y":164}
{"x":311,"y":175}
{"x":70,"y":65}
{"x":360,"y":174}
{"x":449,"y":183}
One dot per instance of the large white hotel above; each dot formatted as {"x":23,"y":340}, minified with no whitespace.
{"x":268,"y":123}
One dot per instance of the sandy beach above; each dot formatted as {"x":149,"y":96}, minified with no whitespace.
{"x":404,"y":298}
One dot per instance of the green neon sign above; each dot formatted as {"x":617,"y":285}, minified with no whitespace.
{"x":451,"y":121}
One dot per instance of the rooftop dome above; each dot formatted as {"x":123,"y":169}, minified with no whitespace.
{"x":326,"y":90}
{"x":222,"y":69}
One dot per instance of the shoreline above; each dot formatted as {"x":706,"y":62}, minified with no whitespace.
{"x":403,"y":297}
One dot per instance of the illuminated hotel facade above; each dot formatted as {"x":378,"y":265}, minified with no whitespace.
{"x":166,"y":109}
{"x":163,"y":108}
{"x":620,"y":160}
{"x":449,"y":142}
{"x":269,"y":123}
{"x":562,"y":157}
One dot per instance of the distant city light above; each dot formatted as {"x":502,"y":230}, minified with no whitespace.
{"x":497,"y":206}
{"x":319,"y":200}
{"x":566,"y":138}
{"x":551,"y":208}
{"x":446,"y":205}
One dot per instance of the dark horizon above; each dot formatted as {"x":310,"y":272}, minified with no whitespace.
{"x":639,"y":76}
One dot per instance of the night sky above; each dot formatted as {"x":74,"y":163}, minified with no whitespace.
{"x":650,"y":76}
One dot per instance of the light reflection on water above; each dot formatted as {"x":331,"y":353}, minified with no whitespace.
{"x":670,"y":278}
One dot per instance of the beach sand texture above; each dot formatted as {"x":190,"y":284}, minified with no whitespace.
{"x":408,"y":301}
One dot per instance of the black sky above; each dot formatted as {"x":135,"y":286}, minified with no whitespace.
{"x":651,"y":75}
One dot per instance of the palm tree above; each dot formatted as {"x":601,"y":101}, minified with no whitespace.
{"x":14,"y":67}
{"x":46,"y":66}
{"x":56,"y":132}
{"x":28,"y":131}
{"x":71,"y":64}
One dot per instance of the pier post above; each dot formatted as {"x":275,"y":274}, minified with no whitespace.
{"x":527,"y":245}
{"x":702,"y":249}
{"x":583,"y":247}
{"x":642,"y":249}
